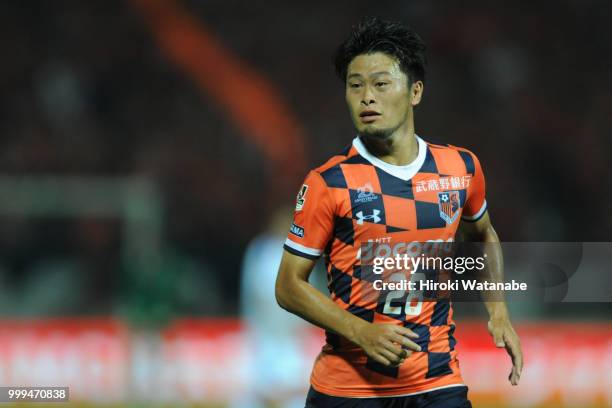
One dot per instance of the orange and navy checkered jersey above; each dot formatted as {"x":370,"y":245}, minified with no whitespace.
{"x":355,"y":199}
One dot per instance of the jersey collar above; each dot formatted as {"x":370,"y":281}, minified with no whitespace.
{"x":405,"y":172}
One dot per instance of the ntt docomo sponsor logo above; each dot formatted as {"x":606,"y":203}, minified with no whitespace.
{"x":383,"y":249}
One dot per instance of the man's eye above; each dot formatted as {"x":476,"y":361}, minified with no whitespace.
{"x":379,"y":84}
{"x":354,"y":85}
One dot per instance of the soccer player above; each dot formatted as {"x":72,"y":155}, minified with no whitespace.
{"x":389,"y":186}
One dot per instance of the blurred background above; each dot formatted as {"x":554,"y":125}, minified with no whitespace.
{"x":150,"y":155}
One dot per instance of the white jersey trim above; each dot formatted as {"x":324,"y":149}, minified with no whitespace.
{"x":477,"y":215}
{"x":405,"y":172}
{"x":302,"y":248}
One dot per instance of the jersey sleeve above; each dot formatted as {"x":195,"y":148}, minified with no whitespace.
{"x":476,"y":204}
{"x":313,"y":219}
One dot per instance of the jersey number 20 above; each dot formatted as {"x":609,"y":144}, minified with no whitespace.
{"x":413,"y":295}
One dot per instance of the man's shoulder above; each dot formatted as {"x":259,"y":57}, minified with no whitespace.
{"x":443,"y":146}
{"x":435,"y":144}
{"x":331,"y":172}
{"x":345,"y":155}
{"x":454,"y":157}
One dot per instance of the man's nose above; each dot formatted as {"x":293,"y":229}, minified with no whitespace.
{"x":368,"y":96}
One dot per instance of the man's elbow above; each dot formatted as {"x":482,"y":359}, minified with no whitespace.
{"x":281,"y":294}
{"x":491,"y":235}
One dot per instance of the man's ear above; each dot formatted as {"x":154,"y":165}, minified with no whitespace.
{"x":416,"y":92}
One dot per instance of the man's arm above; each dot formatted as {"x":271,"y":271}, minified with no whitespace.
{"x":499,"y":320}
{"x":295,"y":294}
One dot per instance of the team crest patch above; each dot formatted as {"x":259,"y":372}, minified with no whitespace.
{"x":301,"y":198}
{"x":448,"y":202}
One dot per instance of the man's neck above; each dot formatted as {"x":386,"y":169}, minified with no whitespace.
{"x":399,"y":149}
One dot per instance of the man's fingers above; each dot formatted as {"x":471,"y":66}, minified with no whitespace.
{"x":514,"y":376}
{"x":395,"y":349}
{"x":381,"y":359}
{"x":403,"y":336}
{"x":406,"y":332}
{"x":498,"y":337}
{"x":406,"y":342}
{"x":393,"y":359}
{"x":411,"y":345}
{"x":497,"y":333}
{"x":504,"y":336}
{"x":401,"y":351}
{"x":514,"y":349}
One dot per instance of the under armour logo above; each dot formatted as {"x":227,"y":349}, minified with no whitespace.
{"x":370,"y":218}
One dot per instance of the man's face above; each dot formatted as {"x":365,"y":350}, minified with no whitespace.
{"x":378,"y":95}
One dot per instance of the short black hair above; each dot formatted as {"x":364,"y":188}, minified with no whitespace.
{"x":392,"y":38}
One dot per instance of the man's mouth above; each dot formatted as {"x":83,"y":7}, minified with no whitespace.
{"x":369,"y":116}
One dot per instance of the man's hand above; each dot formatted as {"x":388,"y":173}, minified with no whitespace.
{"x":386,"y":343}
{"x":504,"y":336}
